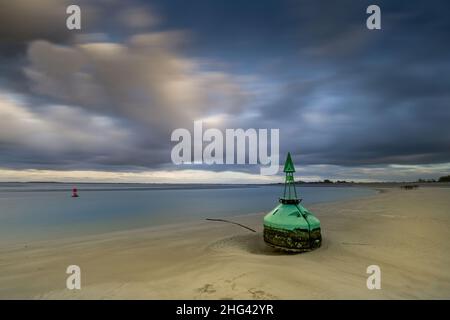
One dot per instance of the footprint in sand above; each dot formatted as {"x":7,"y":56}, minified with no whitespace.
{"x":206,"y":289}
{"x":241,"y":291}
{"x":260,"y":294}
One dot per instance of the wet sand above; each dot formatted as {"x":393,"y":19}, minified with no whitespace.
{"x":405,"y":232}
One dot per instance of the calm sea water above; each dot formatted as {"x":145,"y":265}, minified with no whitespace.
{"x":40,"y":211}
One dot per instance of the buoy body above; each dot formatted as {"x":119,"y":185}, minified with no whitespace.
{"x":74,"y":193}
{"x":290,"y":226}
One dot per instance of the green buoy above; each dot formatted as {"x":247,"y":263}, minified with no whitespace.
{"x":290,"y":226}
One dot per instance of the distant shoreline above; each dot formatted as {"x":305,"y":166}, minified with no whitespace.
{"x":116,"y":186}
{"x":320,"y":183}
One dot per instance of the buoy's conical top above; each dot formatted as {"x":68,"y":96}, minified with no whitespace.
{"x":289,"y":165}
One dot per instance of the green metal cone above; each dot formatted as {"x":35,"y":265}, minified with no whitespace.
{"x":289,"y":165}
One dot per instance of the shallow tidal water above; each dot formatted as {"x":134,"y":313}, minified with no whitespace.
{"x":43,"y":211}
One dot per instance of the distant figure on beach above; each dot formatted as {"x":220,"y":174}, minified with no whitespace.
{"x":74,"y":193}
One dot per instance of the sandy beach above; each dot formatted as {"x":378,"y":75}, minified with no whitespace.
{"x":405,"y":232}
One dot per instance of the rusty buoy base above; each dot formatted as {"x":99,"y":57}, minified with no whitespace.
{"x":292,"y":241}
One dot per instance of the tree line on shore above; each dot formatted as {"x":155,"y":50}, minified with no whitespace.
{"x":328,"y":181}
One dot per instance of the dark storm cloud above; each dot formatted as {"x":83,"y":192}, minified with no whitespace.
{"x":361,"y":97}
{"x":340,"y":94}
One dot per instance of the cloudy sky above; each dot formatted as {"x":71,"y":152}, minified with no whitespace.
{"x":99,"y":104}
